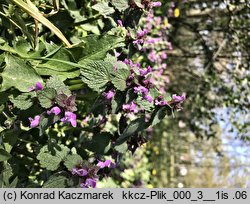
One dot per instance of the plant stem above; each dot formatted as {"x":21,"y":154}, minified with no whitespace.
{"x":74,"y":81}
{"x":76,"y":87}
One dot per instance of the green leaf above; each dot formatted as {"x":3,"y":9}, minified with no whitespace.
{"x":13,"y":184}
{"x":158,"y":115}
{"x":54,"y":82}
{"x":120,"y":76}
{"x":97,"y":46}
{"x":96,"y":74}
{"x":122,"y":148}
{"x":50,"y":157}
{"x":72,"y":160}
{"x":103,"y":8}
{"x":134,"y":127}
{"x":100,"y":143}
{"x":54,"y":62}
{"x":4,"y":155}
{"x":22,"y":47}
{"x":9,"y":138}
{"x":4,"y":97}
{"x":46,"y":121}
{"x":117,"y":101}
{"x":46,"y":97}
{"x":18,"y":74}
{"x":62,"y":75}
{"x":55,"y":182}
{"x":23,"y":101}
{"x":120,"y":5}
{"x":5,"y":175}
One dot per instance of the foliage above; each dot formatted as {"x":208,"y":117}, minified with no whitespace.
{"x":67,"y":107}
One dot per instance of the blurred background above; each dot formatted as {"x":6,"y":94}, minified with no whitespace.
{"x":207,"y":144}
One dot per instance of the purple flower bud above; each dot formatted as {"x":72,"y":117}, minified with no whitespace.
{"x":34,"y":122}
{"x":56,"y":110}
{"x":156,"y":4}
{"x":69,"y":118}
{"x":109,"y":95}
{"x":39,"y":86}
{"x":119,"y":22}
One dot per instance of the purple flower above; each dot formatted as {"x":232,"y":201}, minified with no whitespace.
{"x":107,"y":163}
{"x":109,"y":95}
{"x":144,"y":72}
{"x":148,"y":98}
{"x":140,"y":34}
{"x":130,"y":107}
{"x":56,"y":110}
{"x":179,"y":99}
{"x":152,"y":56}
{"x":79,"y":172}
{"x":37,"y":87}
{"x":89,"y":183}
{"x":119,"y":22}
{"x":164,"y":55}
{"x":34,"y":122}
{"x":69,"y":118}
{"x":156,"y":4}
{"x":141,"y":89}
{"x":160,"y":102}
{"x":130,"y":79}
{"x":138,"y":41}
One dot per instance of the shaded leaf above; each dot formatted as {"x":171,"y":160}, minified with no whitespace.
{"x":4,"y":155}
{"x":134,"y":127}
{"x":72,"y":160}
{"x":117,"y":101}
{"x":100,"y":143}
{"x":158,"y":115}
{"x":46,"y":121}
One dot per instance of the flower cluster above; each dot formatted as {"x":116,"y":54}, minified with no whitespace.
{"x":89,"y":173}
{"x":67,"y":105}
